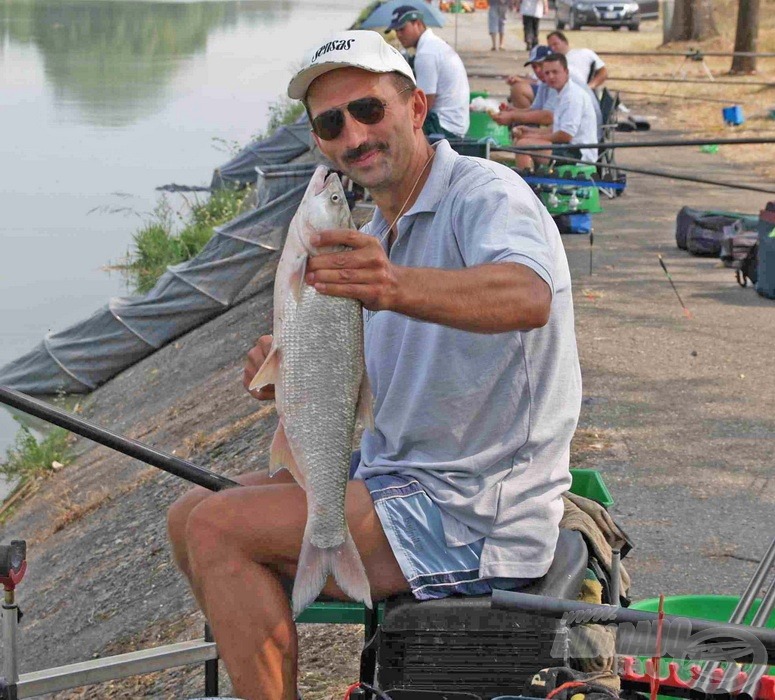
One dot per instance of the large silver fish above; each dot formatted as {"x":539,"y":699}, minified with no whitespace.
{"x":317,"y":366}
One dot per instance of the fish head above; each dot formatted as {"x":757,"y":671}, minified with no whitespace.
{"x":326,"y":204}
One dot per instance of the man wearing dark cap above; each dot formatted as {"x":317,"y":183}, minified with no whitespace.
{"x":541,"y":110}
{"x":524,"y":91}
{"x":440,"y":74}
{"x":470,"y":350}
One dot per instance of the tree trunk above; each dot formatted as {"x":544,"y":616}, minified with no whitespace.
{"x":746,"y":36}
{"x":693,"y":21}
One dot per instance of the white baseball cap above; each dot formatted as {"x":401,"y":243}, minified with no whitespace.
{"x":359,"y":48}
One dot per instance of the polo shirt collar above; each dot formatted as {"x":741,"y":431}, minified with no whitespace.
{"x":434,"y":188}
{"x":426,"y":36}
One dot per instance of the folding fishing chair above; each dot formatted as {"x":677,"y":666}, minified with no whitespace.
{"x":606,"y":158}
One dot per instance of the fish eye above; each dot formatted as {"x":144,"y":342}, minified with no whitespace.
{"x":335,"y":198}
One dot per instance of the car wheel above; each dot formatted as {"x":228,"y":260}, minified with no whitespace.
{"x":573,"y":22}
{"x":560,"y":24}
{"x":634,"y":27}
{"x":616,"y":27}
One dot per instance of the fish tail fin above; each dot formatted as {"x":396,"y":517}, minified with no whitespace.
{"x":349,"y":572}
{"x":315,"y":565}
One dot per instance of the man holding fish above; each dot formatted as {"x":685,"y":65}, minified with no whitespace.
{"x":468,"y":342}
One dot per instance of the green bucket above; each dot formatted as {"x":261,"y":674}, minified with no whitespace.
{"x":718,"y":608}
{"x":482,"y":127}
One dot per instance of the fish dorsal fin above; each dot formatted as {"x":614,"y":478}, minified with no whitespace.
{"x":269,"y":373}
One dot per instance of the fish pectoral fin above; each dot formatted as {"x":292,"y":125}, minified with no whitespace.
{"x":269,"y":372}
{"x":297,"y":277}
{"x":281,"y":457}
{"x":364,"y":413}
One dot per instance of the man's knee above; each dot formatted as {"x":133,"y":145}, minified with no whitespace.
{"x":177,"y":515}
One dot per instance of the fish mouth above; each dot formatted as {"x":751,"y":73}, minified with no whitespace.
{"x":323,"y":179}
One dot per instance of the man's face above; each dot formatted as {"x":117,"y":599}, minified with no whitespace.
{"x":538,"y":69}
{"x":375,"y":156}
{"x":409,"y":34}
{"x":557,"y":45}
{"x":555,"y":75}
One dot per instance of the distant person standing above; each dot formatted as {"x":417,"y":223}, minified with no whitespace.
{"x":531,"y":11}
{"x":584,"y":64}
{"x":439,"y":71}
{"x":496,"y":22}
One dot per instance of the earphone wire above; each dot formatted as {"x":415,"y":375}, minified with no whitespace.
{"x":408,"y":197}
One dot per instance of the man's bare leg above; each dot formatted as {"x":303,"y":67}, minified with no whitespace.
{"x":177,"y":516}
{"x":521,"y":94}
{"x":524,"y":161}
{"x":240,"y":543}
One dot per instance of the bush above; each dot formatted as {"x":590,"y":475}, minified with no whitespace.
{"x":157,"y":245}
{"x":29,"y":457}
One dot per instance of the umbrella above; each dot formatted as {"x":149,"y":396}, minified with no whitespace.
{"x":382,"y":13}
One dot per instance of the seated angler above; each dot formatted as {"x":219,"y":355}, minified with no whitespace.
{"x":574,"y":119}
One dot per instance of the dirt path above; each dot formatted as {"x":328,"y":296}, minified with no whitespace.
{"x":678,"y":414}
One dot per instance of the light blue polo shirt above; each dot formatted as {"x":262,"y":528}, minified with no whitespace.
{"x":482,"y":421}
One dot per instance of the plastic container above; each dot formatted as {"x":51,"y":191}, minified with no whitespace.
{"x":704,"y":607}
{"x":482,"y":126}
{"x":589,"y":483}
{"x":733,"y":115}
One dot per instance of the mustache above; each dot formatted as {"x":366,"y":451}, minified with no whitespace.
{"x":353,"y":154}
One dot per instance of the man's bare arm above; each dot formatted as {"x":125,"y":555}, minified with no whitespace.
{"x":599,"y":78}
{"x":492,"y":298}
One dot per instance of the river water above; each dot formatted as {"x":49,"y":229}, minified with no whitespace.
{"x":101,"y":101}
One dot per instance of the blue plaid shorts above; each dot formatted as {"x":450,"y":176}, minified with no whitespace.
{"x":413,"y":527}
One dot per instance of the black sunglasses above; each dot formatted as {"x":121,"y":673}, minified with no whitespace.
{"x":366,"y":110}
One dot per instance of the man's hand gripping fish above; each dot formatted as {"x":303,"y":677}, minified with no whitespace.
{"x":317,"y":366}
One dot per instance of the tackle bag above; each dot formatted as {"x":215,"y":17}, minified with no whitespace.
{"x":748,"y":268}
{"x":765,"y":268}
{"x":736,"y":243}
{"x":701,"y":231}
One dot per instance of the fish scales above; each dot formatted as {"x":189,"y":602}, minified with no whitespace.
{"x":320,"y":383}
{"x":317,"y":365}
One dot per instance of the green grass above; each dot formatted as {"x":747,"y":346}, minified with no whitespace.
{"x":30,"y":457}
{"x":158,"y":244}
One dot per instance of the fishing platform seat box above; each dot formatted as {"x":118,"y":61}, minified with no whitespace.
{"x":461,"y":644}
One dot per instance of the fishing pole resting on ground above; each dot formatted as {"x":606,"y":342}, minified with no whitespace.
{"x":687,"y":313}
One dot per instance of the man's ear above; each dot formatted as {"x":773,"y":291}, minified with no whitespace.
{"x":419,"y":108}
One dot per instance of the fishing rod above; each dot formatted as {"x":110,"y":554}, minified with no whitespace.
{"x":696,"y":54}
{"x":687,"y":313}
{"x":680,"y":97}
{"x":682,"y":81}
{"x":640,"y":171}
{"x":576,"y":613}
{"x":666,"y":143}
{"x":168,"y":463}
